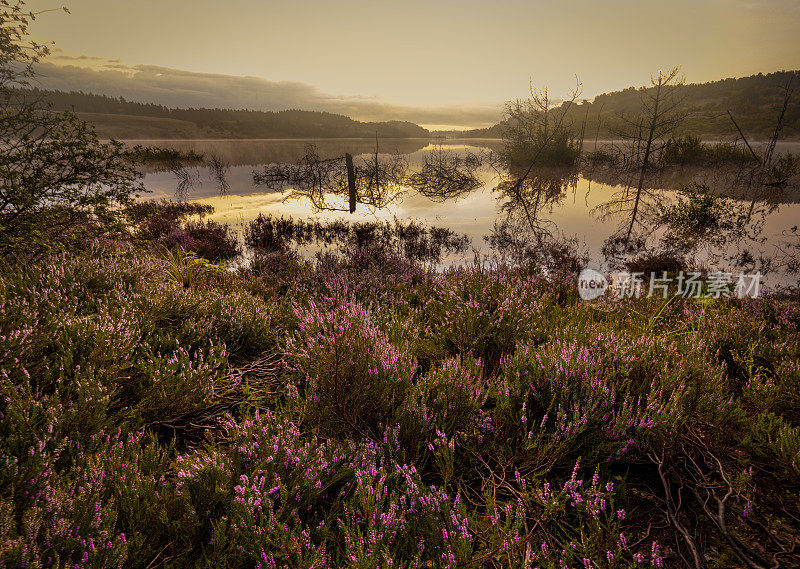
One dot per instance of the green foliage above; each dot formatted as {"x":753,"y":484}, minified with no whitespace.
{"x":151,"y":154}
{"x":59,"y":185}
{"x":780,"y":170}
{"x":351,"y":376}
{"x":690,"y":150}
{"x":698,"y":213}
{"x":556,"y":150}
{"x":208,"y":239}
{"x":154,"y":220}
{"x":167,"y":223}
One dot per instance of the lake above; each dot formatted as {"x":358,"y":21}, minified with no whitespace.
{"x":572,"y":212}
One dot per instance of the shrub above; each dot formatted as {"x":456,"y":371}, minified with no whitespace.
{"x":155,"y":220}
{"x":61,"y":186}
{"x":211,"y":240}
{"x":557,"y":399}
{"x":700,"y":214}
{"x":481,"y":313}
{"x":443,"y":408}
{"x":535,"y":133}
{"x":413,"y":241}
{"x":288,"y":499}
{"x":351,"y":376}
{"x":601,"y":156}
{"x":551,"y":150}
{"x":691,"y":151}
{"x":166,"y":223}
{"x":779,"y":172}
{"x":658,"y":262}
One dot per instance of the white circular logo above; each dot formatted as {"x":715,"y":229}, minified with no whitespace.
{"x":591,"y":284}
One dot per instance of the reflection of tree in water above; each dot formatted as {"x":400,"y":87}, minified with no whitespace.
{"x":220,"y":169}
{"x":526,"y":236}
{"x":719,"y":210}
{"x":717,"y":213}
{"x":188,"y":179}
{"x":703,"y":223}
{"x":524,"y":200}
{"x":514,"y":242}
{"x":445,"y":175}
{"x":376,"y":181}
{"x":326,"y":182}
{"x":698,"y":215}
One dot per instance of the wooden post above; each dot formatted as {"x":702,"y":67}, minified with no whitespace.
{"x":351,"y":181}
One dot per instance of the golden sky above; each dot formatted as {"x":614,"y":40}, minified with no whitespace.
{"x":435,"y":55}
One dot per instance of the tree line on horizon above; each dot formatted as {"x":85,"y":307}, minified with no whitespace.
{"x":237,"y":123}
{"x":753,"y":100}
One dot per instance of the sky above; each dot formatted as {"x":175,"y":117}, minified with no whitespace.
{"x":436,"y":62}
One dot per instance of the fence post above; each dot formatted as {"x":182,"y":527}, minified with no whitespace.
{"x":351,"y":180}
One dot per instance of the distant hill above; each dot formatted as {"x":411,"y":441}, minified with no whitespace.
{"x":754,"y":101}
{"x":132,"y":127}
{"x":118,"y":118}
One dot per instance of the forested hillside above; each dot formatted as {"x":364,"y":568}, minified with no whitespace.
{"x":104,"y":112}
{"x":755,"y":102}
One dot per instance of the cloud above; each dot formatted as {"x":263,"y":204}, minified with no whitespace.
{"x":179,"y":88}
{"x":79,"y":57}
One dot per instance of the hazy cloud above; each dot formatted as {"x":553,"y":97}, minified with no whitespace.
{"x":178,"y":88}
{"x":63,"y":57}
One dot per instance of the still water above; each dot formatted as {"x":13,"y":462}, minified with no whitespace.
{"x":573,"y":213}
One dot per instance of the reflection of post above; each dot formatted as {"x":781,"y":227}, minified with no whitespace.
{"x":351,"y":181}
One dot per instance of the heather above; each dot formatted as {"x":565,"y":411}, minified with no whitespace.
{"x":360,"y":409}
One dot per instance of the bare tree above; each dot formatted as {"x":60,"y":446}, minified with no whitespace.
{"x":533,"y":126}
{"x":768,"y":172}
{"x":536,"y":131}
{"x":661,"y":112}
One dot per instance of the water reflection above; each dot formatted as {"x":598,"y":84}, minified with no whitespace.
{"x":259,"y":152}
{"x":549,"y":205}
{"x":527,"y":201}
{"x":338,"y":183}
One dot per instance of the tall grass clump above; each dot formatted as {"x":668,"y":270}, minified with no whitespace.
{"x":692,"y":151}
{"x":352,"y":377}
